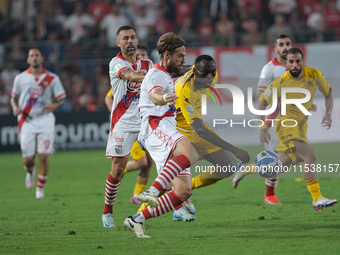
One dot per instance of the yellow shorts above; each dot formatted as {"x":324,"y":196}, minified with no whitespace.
{"x":202,"y":146}
{"x":287,"y":135}
{"x":136,"y":152}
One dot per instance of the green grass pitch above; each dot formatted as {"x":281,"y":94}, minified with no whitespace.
{"x":228,"y":221}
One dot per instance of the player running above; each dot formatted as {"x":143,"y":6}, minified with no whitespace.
{"x":293,"y":141}
{"x":126,"y":71}
{"x":209,"y":146}
{"x":172,"y":152}
{"x":272,"y":70}
{"x":140,"y":159}
{"x":36,"y":94}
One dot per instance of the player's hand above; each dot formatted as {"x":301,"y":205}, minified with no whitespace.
{"x":170,"y":99}
{"x":16,"y":111}
{"x":327,"y":121}
{"x":50,"y":107}
{"x":242,"y":155}
{"x":264,"y":136}
{"x":314,"y":108}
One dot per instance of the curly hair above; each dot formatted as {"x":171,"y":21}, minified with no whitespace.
{"x":169,"y":42}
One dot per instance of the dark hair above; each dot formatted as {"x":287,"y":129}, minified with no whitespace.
{"x":282,"y":36}
{"x":295,"y":50}
{"x":124,"y":28}
{"x":169,"y":42}
{"x":36,"y":48}
{"x":203,"y":57}
{"x":142,"y":47}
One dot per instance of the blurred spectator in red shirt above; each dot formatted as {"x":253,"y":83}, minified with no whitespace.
{"x":162,"y":25}
{"x":206,"y":30}
{"x":183,"y":8}
{"x":98,"y":9}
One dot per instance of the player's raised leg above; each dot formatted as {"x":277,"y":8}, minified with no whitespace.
{"x":182,"y":191}
{"x":184,"y":155}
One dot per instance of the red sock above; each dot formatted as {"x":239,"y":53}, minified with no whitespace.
{"x":41,"y":181}
{"x":167,"y":203}
{"x":111,"y":189}
{"x":270,"y":187}
{"x":171,"y":169}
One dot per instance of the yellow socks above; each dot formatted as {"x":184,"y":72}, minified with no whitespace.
{"x":139,"y":188}
{"x":204,"y":179}
{"x":250,"y":169}
{"x":314,"y":188}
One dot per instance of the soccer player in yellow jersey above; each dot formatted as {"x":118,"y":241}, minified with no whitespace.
{"x":209,"y":146}
{"x":293,"y":142}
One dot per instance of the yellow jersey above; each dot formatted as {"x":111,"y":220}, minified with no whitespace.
{"x":189,"y":102}
{"x":312,"y":78}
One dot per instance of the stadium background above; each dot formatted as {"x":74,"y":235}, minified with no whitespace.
{"x":77,"y":39}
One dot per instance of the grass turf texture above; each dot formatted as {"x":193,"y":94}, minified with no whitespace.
{"x":228,"y":221}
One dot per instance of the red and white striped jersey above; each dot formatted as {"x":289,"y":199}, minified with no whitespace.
{"x":157,"y":77}
{"x":125,"y":115}
{"x":33,"y":95}
{"x":269,"y":73}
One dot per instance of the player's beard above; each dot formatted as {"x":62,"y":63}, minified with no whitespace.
{"x":296,"y":74}
{"x":129,"y":51}
{"x":173,"y":68}
{"x":35,"y":66}
{"x":283,"y":55}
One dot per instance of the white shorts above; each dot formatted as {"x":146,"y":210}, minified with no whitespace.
{"x":161,"y":143}
{"x":274,"y":140}
{"x":41,"y":143}
{"x":120,"y":144}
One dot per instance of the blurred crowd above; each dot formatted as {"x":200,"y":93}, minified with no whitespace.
{"x":78,"y":38}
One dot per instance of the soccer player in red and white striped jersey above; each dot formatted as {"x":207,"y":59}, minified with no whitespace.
{"x":36,"y":94}
{"x":172,"y":152}
{"x":126,"y":72}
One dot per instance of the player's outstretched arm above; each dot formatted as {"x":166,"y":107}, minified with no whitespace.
{"x":206,"y":134}
{"x":327,"y":119}
{"x":129,"y":74}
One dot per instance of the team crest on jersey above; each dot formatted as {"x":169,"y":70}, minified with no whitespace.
{"x":133,"y":86}
{"x":119,"y":149}
{"x":36,"y":92}
{"x":267,"y":93}
{"x":190,"y":109}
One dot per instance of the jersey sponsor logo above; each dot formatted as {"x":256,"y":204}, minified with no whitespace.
{"x":119,"y":149}
{"x":119,"y":140}
{"x":190,"y":109}
{"x":133,"y":86}
{"x":130,"y":100}
{"x":36,"y":92}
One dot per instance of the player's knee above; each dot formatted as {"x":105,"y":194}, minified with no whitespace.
{"x":117,"y":171}
{"x":186,"y":193}
{"x":312,"y":157}
{"x":193,"y":156}
{"x":142,"y":162}
{"x":28,"y":162}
